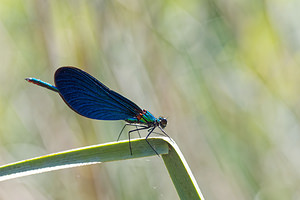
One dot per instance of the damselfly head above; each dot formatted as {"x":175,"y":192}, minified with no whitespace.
{"x":162,"y":122}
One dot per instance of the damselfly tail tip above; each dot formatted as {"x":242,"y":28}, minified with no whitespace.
{"x":28,"y":79}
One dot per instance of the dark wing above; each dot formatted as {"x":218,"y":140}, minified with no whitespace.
{"x":89,"y":97}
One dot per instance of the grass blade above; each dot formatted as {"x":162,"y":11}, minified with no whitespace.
{"x":178,"y":168}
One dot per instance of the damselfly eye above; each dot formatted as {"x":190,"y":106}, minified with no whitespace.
{"x":163,"y":122}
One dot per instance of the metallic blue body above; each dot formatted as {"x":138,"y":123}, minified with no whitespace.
{"x":146,"y":118}
{"x":42,"y":83}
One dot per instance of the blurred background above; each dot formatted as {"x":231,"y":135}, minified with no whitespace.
{"x":225,"y":73}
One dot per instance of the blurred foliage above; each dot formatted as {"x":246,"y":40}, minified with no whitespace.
{"x":225,"y":73}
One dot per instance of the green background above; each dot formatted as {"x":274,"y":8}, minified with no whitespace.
{"x":225,"y":73}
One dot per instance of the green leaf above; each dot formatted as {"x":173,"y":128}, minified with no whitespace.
{"x":179,"y":171}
